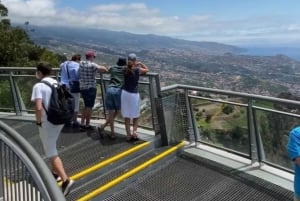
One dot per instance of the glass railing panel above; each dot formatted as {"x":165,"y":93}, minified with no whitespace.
{"x":6,"y":100}
{"x":273,"y":129}
{"x":24,"y":85}
{"x":145,"y":119}
{"x":222,"y":121}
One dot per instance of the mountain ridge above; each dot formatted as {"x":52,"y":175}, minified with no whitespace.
{"x":206,"y":64}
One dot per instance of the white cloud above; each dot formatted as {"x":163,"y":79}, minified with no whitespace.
{"x":140,"y":18}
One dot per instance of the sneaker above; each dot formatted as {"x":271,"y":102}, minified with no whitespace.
{"x":68,"y":125}
{"x":75,"y":124}
{"x":100,"y":132}
{"x":82,"y":128}
{"x":56,"y":177}
{"x":66,"y":186}
{"x":89,"y":127}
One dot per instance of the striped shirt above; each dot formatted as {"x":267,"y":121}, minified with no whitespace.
{"x":88,"y":71}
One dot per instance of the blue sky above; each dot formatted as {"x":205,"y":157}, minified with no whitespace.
{"x":236,"y":22}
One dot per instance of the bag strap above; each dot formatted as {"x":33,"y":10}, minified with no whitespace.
{"x":67,"y":67}
{"x":49,"y":85}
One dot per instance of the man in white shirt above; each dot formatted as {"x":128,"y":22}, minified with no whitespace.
{"x":48,"y":132}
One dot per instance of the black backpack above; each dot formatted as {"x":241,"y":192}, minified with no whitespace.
{"x":61,"y":107}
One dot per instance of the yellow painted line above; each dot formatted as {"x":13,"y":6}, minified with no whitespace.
{"x":108,"y":161}
{"x":130,"y":173}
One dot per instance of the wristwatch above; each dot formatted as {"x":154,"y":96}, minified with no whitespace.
{"x":39,"y":123}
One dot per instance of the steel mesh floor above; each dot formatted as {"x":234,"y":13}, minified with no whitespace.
{"x":186,"y":179}
{"x":78,"y":150}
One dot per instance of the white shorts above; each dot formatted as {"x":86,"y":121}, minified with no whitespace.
{"x":49,"y":134}
{"x":76,"y":101}
{"x":130,"y":104}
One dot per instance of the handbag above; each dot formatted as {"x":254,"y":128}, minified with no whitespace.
{"x":74,"y":85}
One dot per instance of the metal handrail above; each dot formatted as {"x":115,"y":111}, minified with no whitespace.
{"x":231,"y":93}
{"x":35,"y":163}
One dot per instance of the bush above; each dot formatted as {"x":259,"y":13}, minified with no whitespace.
{"x":227,"y":109}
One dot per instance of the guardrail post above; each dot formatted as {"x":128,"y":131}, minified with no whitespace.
{"x":193,"y":122}
{"x":103,"y":91}
{"x":159,"y":112}
{"x":1,"y":175}
{"x":253,"y":139}
{"x":15,"y":95}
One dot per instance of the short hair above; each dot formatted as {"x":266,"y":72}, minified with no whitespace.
{"x":76,"y":57}
{"x":44,"y":67}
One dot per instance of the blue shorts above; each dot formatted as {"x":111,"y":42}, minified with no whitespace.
{"x":89,"y":96}
{"x":113,"y":98}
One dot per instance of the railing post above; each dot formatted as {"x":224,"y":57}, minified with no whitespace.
{"x":194,"y":124}
{"x":15,"y":95}
{"x":191,"y":122}
{"x":153,"y":96}
{"x":160,"y":113}
{"x":103,"y":92}
{"x":253,"y":139}
{"x":1,"y":175}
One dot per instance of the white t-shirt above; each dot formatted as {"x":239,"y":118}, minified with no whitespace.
{"x":42,"y":91}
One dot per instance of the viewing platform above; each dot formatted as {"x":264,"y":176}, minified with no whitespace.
{"x":195,"y":144}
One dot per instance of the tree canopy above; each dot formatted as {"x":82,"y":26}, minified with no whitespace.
{"x":16,"y":48}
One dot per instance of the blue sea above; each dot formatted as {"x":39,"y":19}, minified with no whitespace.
{"x":272,"y":51}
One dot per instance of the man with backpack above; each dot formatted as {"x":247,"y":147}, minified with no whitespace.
{"x":46,"y":95}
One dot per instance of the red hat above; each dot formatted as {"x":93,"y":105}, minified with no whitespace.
{"x":90,"y":53}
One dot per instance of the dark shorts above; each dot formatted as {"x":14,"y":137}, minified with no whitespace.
{"x":89,"y":96}
{"x":113,"y":98}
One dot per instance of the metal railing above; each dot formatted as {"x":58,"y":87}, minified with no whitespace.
{"x":17,"y":83}
{"x":249,"y":125}
{"x":24,"y":175}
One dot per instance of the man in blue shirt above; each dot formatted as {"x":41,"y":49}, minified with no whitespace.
{"x":70,"y":75}
{"x":293,"y":148}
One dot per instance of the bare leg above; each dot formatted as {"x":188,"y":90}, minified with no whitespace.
{"x":58,"y":167}
{"x":111,"y":122}
{"x":88,"y":113}
{"x":127,"y":127}
{"x":83,"y":116}
{"x":135,"y":127}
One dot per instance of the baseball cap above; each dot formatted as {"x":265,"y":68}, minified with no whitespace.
{"x":90,"y":53}
{"x":132,"y":57}
{"x":121,"y":61}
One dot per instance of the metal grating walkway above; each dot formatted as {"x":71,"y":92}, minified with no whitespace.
{"x":186,"y":179}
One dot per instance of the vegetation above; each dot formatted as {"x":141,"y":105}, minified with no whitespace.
{"x":17,"y":50}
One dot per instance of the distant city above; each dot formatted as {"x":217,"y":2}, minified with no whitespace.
{"x":263,"y":71}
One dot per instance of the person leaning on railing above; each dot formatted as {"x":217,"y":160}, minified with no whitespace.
{"x":130,"y":97}
{"x":88,"y":90}
{"x":293,"y":148}
{"x":113,"y":96}
{"x":70,"y":79}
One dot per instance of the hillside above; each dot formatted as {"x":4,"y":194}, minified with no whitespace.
{"x":205,"y":64}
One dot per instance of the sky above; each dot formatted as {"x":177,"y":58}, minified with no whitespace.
{"x":236,"y":22}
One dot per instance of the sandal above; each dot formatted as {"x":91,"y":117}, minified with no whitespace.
{"x":112,"y":136}
{"x":134,"y":137}
{"x":129,"y":139}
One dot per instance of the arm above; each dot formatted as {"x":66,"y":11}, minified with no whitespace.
{"x":143,"y":68}
{"x":101,"y":69}
{"x":297,"y":161}
{"x":38,"y":110}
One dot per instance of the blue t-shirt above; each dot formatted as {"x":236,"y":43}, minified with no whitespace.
{"x":73,"y":68}
{"x":293,"y":148}
{"x":131,"y":80}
